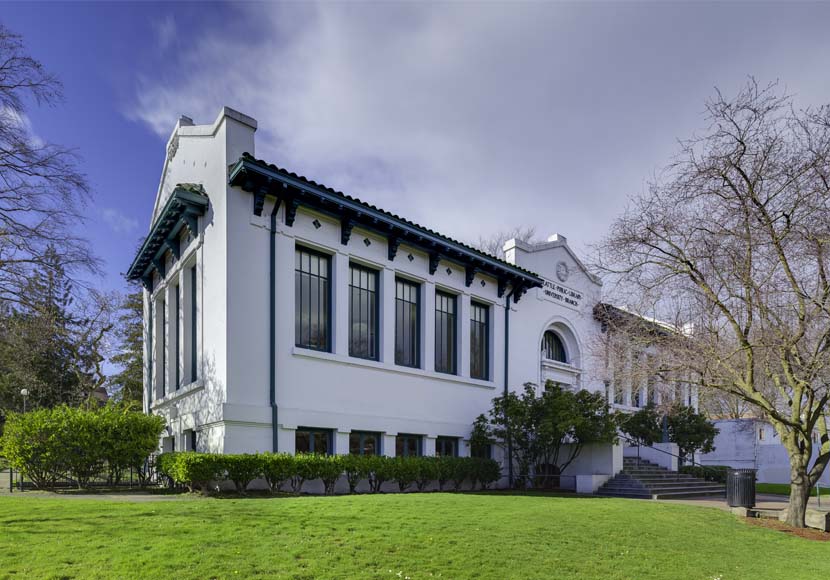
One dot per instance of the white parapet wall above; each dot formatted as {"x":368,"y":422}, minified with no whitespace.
{"x":662,"y":454}
{"x":595,"y":465}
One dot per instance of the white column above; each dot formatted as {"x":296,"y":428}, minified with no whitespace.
{"x":428,"y":442}
{"x":497,"y":346}
{"x":387,"y":316}
{"x":341,"y":441}
{"x":463,"y":342}
{"x":428,"y":325}
{"x":147,"y":383}
{"x":388,"y":444}
{"x":340,"y":300}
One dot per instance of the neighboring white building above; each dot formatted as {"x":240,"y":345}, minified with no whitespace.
{"x":753,"y":444}
{"x":283,"y":315}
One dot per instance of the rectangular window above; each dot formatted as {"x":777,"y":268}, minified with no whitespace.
{"x":311,"y":440}
{"x":635,"y":398}
{"x":193,"y":324}
{"x":482,"y":451}
{"x":363,"y":312}
{"x":177,"y":324}
{"x":312,"y":299}
{"x":407,"y":324}
{"x":479,"y":341}
{"x":445,"y":333}
{"x":363,"y":443}
{"x":619,"y":396}
{"x":446,"y":447}
{"x":407,"y":445}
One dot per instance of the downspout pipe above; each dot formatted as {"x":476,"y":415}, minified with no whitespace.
{"x":510,"y":478}
{"x":272,"y":338}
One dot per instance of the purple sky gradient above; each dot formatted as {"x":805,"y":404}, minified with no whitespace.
{"x":464,"y":117}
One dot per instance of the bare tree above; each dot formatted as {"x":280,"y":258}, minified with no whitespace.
{"x":493,"y":244}
{"x":732,"y":244}
{"x":41,"y":187}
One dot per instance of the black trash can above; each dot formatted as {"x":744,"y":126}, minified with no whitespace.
{"x":740,"y":488}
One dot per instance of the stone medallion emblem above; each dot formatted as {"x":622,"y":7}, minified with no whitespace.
{"x":562,"y":271}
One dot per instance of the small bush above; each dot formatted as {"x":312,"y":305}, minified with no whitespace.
{"x":486,"y":472}
{"x":461,"y":469}
{"x":305,"y":468}
{"x":242,"y":469}
{"x":329,"y":469}
{"x":29,"y":445}
{"x":381,"y":470}
{"x":356,"y":469}
{"x":446,"y":467}
{"x":277,"y":468}
{"x":427,"y":472}
{"x":79,"y":443}
{"x":194,"y":470}
{"x":405,"y":471}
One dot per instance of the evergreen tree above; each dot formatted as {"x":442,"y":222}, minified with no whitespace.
{"x":128,"y":383}
{"x":50,"y":346}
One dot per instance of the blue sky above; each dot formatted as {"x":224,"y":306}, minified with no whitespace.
{"x":465,"y":117}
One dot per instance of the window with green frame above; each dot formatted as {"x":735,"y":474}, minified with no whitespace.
{"x":363,"y":312}
{"x":313,"y":440}
{"x":445,"y":332}
{"x":312,"y":300}
{"x":407,"y":445}
{"x":364,"y":443}
{"x":479,"y":341}
{"x":446,"y":447}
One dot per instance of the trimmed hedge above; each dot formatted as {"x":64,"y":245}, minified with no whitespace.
{"x":717,"y":473}
{"x":48,"y":445}
{"x":197,"y":470}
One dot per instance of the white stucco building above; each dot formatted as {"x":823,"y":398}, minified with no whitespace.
{"x":283,"y":315}
{"x":752,"y":443}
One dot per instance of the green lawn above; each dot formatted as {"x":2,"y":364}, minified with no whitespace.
{"x":393,"y":536}
{"x":784,"y":489}
{"x":774,"y":488}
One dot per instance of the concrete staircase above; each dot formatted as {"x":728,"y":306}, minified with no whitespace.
{"x":645,"y":480}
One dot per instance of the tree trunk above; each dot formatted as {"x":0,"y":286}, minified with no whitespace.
{"x":799,"y":495}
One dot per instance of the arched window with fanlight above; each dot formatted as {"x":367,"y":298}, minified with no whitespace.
{"x":553,"y":348}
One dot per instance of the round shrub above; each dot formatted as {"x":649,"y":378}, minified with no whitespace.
{"x":405,"y":471}
{"x":356,"y":469}
{"x":277,"y":468}
{"x":242,"y":469}
{"x":427,"y":471}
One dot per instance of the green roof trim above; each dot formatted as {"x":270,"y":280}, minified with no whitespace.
{"x":261,"y":178}
{"x":186,"y":203}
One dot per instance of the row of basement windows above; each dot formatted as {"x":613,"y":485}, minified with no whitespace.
{"x":312,"y":286}
{"x":177,"y":333}
{"x":310,"y":440}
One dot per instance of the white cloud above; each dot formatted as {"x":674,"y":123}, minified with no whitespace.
{"x":20,"y":121}
{"x":118,"y":221}
{"x":165,"y":30}
{"x":471,"y":117}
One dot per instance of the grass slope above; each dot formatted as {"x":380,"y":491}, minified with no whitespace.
{"x":773,"y":488}
{"x":393,"y":536}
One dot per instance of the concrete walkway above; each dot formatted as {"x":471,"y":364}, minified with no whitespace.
{"x":762,"y":501}
{"x":126,"y":496}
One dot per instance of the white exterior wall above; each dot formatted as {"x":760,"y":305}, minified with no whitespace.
{"x":740,"y":444}
{"x":229,"y":404}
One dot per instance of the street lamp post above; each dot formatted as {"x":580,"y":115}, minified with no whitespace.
{"x":24,"y":393}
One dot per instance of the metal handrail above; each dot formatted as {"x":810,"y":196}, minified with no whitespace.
{"x":694,"y":463}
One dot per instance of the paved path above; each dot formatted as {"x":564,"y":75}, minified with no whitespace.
{"x":128,"y":496}
{"x":762,"y":501}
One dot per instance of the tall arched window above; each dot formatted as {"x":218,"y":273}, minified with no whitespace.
{"x":553,"y":348}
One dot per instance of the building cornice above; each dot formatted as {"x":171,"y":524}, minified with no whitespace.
{"x":262,"y":179}
{"x":182,"y":209}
